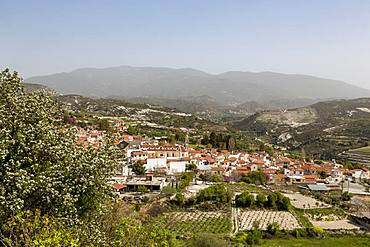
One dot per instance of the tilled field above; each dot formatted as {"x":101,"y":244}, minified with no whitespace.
{"x":285,"y":220}
{"x":335,"y":225}
{"x":301,"y":201}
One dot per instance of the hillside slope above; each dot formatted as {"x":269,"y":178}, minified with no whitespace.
{"x":323,"y":129}
{"x":31,"y":87}
{"x":151,"y":115}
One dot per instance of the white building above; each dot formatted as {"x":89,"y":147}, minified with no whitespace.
{"x":155,"y":163}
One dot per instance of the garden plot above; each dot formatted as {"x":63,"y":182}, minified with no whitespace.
{"x":325,"y":214}
{"x":183,"y":222}
{"x":300,"y":201}
{"x":285,"y":219}
{"x":335,"y":225}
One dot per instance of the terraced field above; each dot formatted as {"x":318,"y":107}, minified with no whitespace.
{"x":362,"y":150}
{"x":285,"y":220}
{"x":187,"y":223}
{"x":359,"y":155}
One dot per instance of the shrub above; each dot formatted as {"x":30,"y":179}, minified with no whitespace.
{"x":260,"y":200}
{"x":273,"y":228}
{"x":215,"y":193}
{"x":255,"y":236}
{"x":318,"y":231}
{"x":185,"y":180}
{"x":180,"y":199}
{"x":284,"y":204}
{"x":191,"y":167}
{"x":138,"y":167}
{"x":346,"y":196}
{"x":271,"y":200}
{"x":208,"y":240}
{"x":168,"y":191}
{"x":32,"y":229}
{"x":254,"y":177}
{"x":142,"y":189}
{"x":245,"y":199}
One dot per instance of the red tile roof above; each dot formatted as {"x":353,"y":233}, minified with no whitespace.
{"x":118,"y":186}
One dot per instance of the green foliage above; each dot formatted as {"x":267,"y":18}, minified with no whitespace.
{"x":103,"y":124}
{"x":215,"y":193}
{"x":216,"y":178}
{"x":180,"y":199}
{"x":191,"y":223}
{"x":142,"y":189}
{"x":271,"y":200}
{"x":284,"y":204}
{"x":323,"y":174}
{"x":31,"y":229}
{"x":208,"y":240}
{"x":138,"y":168}
{"x":168,"y":190}
{"x":180,"y":136}
{"x":303,"y":220}
{"x":133,"y":233}
{"x":278,"y":201}
{"x":251,"y":238}
{"x":41,"y":165}
{"x":275,"y":200}
{"x":266,"y":148}
{"x":245,"y":199}
{"x":332,"y":197}
{"x":273,"y":228}
{"x":318,"y":231}
{"x":52,"y":191}
{"x":185,"y":180}
{"x":219,"y":140}
{"x":191,"y":167}
{"x":260,"y":200}
{"x":207,"y":176}
{"x":132,"y":130}
{"x":254,"y":177}
{"x":205,"y":140}
{"x":210,"y":177}
{"x":241,"y":187}
{"x":350,"y":165}
{"x":337,"y":241}
{"x":254,"y":237}
{"x":346,"y":196}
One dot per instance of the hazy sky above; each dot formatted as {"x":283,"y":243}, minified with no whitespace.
{"x":328,"y":38}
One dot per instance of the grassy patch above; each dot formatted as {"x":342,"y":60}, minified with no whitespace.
{"x":330,"y":241}
{"x":299,"y":214}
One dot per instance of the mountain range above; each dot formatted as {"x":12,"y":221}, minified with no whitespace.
{"x":230,"y":88}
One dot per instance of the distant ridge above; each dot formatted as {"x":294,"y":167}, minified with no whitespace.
{"x":227,"y":88}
